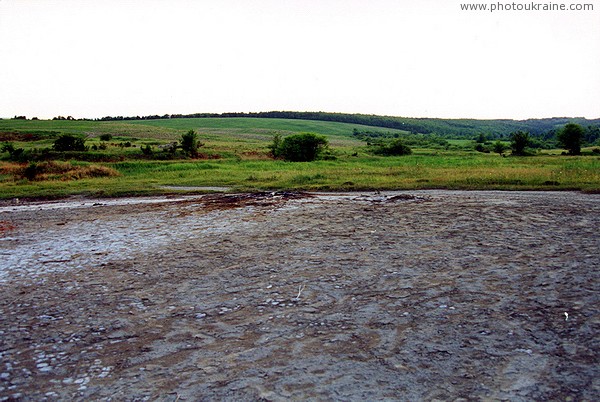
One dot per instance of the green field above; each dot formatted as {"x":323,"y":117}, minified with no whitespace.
{"x":235,"y":155}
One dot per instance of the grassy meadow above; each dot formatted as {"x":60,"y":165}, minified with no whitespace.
{"x":235,"y":154}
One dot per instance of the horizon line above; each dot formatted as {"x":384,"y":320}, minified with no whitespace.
{"x":250,"y":115}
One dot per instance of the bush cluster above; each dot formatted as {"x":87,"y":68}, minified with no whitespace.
{"x":303,"y":147}
{"x":67,"y":142}
{"x":393,"y":148}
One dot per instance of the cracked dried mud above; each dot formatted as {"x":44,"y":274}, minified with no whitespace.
{"x":410,"y":296}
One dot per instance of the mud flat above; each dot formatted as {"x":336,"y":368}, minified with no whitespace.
{"x":288,"y":296}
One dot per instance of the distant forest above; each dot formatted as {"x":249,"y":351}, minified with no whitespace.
{"x":543,"y":129}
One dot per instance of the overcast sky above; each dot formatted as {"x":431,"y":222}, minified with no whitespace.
{"x":414,"y":58}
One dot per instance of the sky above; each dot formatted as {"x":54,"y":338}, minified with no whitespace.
{"x":411,"y":58}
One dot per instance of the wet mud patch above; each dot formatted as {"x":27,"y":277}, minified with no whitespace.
{"x":273,"y":296}
{"x":261,"y":199}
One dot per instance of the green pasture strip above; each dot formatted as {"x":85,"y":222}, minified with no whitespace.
{"x":228,"y":135}
{"x":421,"y":170}
{"x":266,"y":127}
{"x":88,"y":128}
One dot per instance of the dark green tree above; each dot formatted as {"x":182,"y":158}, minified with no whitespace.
{"x":275,"y":146}
{"x":571,"y":137}
{"x":499,"y":147}
{"x":481,"y":139}
{"x":519,"y":140}
{"x":67,"y":142}
{"x":190,"y":144}
{"x":303,"y":147}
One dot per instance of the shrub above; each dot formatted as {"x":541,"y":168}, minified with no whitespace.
{"x":8,"y":147}
{"x":479,"y":147}
{"x":170,"y":149}
{"x":106,"y":137}
{"x":67,"y":142}
{"x":146,"y":150}
{"x":31,"y":171}
{"x":519,"y":140}
{"x":394,"y":148}
{"x":190,"y":144}
{"x":499,"y":147}
{"x":15,"y":154}
{"x":571,"y":137}
{"x":303,"y":147}
{"x":275,"y":146}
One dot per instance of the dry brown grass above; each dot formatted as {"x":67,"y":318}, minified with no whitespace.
{"x":54,"y":170}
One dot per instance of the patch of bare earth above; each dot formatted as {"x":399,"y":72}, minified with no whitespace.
{"x":278,"y":296}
